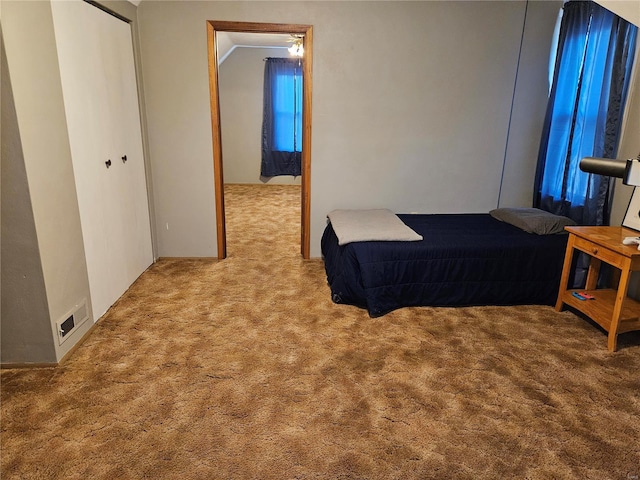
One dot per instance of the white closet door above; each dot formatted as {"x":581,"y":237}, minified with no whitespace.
{"x":99,"y":86}
{"x":135,"y":211}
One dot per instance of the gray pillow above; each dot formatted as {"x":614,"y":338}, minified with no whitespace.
{"x":532,"y":220}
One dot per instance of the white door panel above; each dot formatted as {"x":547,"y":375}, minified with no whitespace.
{"x":95,"y":53}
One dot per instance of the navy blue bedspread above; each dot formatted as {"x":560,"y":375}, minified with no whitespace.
{"x":463,"y":260}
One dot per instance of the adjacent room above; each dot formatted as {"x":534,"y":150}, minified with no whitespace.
{"x":180,"y":297}
{"x":253,"y":181}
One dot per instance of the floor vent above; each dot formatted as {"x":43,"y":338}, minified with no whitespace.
{"x":71,"y":321}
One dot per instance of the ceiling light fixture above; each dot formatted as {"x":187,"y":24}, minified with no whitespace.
{"x":297,"y":49}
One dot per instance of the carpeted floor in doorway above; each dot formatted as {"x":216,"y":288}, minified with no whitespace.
{"x":245,"y":369}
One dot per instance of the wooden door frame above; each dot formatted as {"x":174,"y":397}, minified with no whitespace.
{"x":214,"y":26}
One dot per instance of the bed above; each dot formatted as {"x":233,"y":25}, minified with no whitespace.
{"x":461,"y":260}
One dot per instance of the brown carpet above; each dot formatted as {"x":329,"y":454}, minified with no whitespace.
{"x":244,"y":369}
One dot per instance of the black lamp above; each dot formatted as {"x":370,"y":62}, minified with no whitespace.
{"x":627,"y":170}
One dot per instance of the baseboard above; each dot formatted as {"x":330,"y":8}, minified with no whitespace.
{"x":8,"y":366}
{"x":263,"y":184}
{"x":204,"y":259}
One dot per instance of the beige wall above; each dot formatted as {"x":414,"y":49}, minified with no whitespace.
{"x":25,"y":326}
{"x":629,"y":144}
{"x":411,"y":106}
{"x":241,"y":80}
{"x":627,"y":9}
{"x":41,"y":289}
{"x":529,"y":106}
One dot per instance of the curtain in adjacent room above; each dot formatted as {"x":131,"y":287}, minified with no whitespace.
{"x":282,"y":117}
{"x":592,"y":72}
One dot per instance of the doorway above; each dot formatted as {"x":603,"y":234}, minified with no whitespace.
{"x":247,"y":27}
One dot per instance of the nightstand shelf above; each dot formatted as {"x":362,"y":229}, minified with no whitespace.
{"x":610,"y":308}
{"x":600,"y":309}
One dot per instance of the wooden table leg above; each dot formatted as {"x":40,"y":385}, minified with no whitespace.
{"x":593,"y":273}
{"x":625,"y":275}
{"x":566,"y":271}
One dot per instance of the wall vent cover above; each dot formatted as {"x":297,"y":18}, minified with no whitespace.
{"x":71,"y":321}
{"x":67,"y":326}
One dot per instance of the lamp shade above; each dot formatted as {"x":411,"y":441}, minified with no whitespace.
{"x":632,"y":172}
{"x":628,"y":170}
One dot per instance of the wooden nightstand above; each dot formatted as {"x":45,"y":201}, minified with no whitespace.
{"x":610,"y":308}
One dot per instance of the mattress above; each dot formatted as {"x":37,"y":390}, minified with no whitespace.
{"x":463,"y":260}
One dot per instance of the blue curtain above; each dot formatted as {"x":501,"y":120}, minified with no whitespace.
{"x":282,"y":117}
{"x":584,"y":113}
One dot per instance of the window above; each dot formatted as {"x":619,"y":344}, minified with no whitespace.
{"x":586,"y":103}
{"x":287,"y":111}
{"x":282,"y":118}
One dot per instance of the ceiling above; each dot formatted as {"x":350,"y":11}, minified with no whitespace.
{"x":229,"y":41}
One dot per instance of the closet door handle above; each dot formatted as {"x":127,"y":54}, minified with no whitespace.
{"x":108,"y":163}
{"x":124,"y":159}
